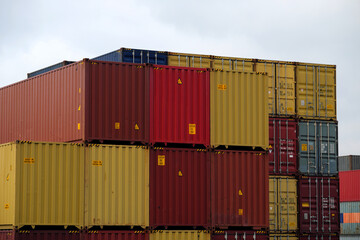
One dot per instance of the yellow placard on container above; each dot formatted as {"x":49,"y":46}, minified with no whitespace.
{"x":97,"y":163}
{"x":117,"y":125}
{"x":240,"y":193}
{"x":179,"y":81}
{"x":306,"y":204}
{"x":136,"y":126}
{"x":78,"y":126}
{"x":192,"y":129}
{"x":29,"y":160}
{"x":241,"y":211}
{"x":161,"y":160}
{"x":221,"y":86}
{"x":304,"y":147}
{"x":7,"y":206}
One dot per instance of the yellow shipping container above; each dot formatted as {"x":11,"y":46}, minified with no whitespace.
{"x":316,"y":91}
{"x":283,"y":204}
{"x":283,"y":237}
{"x":281,"y":86}
{"x":179,"y":235}
{"x":41,"y":184}
{"x":116,"y":186}
{"x":189,"y":60}
{"x":232,"y":64}
{"x":238,"y":109}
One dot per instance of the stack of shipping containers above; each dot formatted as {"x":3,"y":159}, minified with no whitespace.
{"x":140,"y":144}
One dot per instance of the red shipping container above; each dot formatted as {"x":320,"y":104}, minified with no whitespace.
{"x":179,"y":105}
{"x":319,"y":237}
{"x":349,"y":186}
{"x":115,"y":235}
{"x":179,"y":188}
{"x":84,"y":101}
{"x":40,"y":235}
{"x":239,"y":235}
{"x":319,"y":205}
{"x":239,"y":189}
{"x":283,"y":146}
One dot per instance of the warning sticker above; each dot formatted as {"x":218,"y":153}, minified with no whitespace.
{"x":29,"y":160}
{"x":161,"y":160}
{"x":79,"y":108}
{"x":241,"y":211}
{"x":7,"y":206}
{"x":97,"y":163}
{"x":304,"y":147}
{"x":305,"y":204}
{"x":136,"y":126}
{"x":179,"y":81}
{"x":180,"y":173}
{"x":192,"y":129}
{"x":221,"y":86}
{"x":78,"y":126}
{"x":330,"y":106}
{"x":117,"y":125}
{"x":240,"y":193}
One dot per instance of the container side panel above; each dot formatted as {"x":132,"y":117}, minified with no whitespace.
{"x":349,"y":186}
{"x":239,"y":189}
{"x":179,"y":188}
{"x":118,"y":102}
{"x":49,"y":107}
{"x":144,"y":56}
{"x":239,"y":112}
{"x":39,"y":235}
{"x":49,"y":184}
{"x":115,"y":235}
{"x":350,"y":237}
{"x":232,"y":64}
{"x":114,"y":56}
{"x":180,"y":105}
{"x":48,"y":69}
{"x":344,"y":163}
{"x":351,"y":217}
{"x":283,"y":237}
{"x":179,"y":235}
{"x":235,"y":235}
{"x":117,"y":186}
{"x":189,"y":60}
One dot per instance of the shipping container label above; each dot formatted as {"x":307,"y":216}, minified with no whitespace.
{"x":332,"y":148}
{"x":29,"y":160}
{"x":304,"y":147}
{"x":7,"y":206}
{"x":79,"y":90}
{"x":302,"y":102}
{"x":324,"y":147}
{"x":78,"y":126}
{"x":180,"y":173}
{"x":136,"y":126}
{"x":79,"y":108}
{"x":329,"y":106}
{"x":241,"y":211}
{"x":240,"y":193}
{"x":192,"y":129}
{"x":117,"y":125}
{"x":7,"y":177}
{"x":221,"y":86}
{"x":179,"y":81}
{"x":161,"y":160}
{"x":97,"y":163}
{"x":305,"y":204}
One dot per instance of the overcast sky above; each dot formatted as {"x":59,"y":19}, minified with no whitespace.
{"x":38,"y":33}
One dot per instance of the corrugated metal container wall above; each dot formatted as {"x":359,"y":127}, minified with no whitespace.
{"x":115,"y":235}
{"x":283,"y":237}
{"x":117,"y":186}
{"x":48,"y":69}
{"x":46,"y":107}
{"x":319,"y":237}
{"x":349,"y":237}
{"x":232,"y":64}
{"x":135,"y":56}
{"x":350,"y":218}
{"x":189,"y":60}
{"x":243,"y":235}
{"x":281,"y":86}
{"x":179,"y":235}
{"x":239,"y":189}
{"x":347,"y":163}
{"x":39,"y":235}
{"x":283,"y":204}
{"x":318,"y":205}
{"x":238,"y":109}
{"x":117,"y":102}
{"x":44,"y":184}
{"x":179,"y":105}
{"x":283,"y":146}
{"x":349,"y":186}
{"x":179,"y":188}
{"x":316,"y":91}
{"x":318,"y":148}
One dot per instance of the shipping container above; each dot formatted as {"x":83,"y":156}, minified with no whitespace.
{"x":48,"y":69}
{"x":179,"y":235}
{"x":318,"y":205}
{"x":350,"y":162}
{"x":85,"y":101}
{"x":232,"y":64}
{"x":319,"y":237}
{"x":115,"y":235}
{"x":283,"y":236}
{"x":135,"y":56}
{"x":349,"y":186}
{"x":316,"y":91}
{"x":283,"y":204}
{"x":239,"y":189}
{"x":41,"y":184}
{"x":283,"y":146}
{"x":239,"y":235}
{"x":281,"y":86}
{"x":350,"y":218}
{"x":239,"y":114}
{"x":189,"y":60}
{"x":179,"y":105}
{"x":40,"y":235}
{"x":349,"y":237}
{"x":318,"y":148}
{"x":117,"y":186}
{"x":179,"y":188}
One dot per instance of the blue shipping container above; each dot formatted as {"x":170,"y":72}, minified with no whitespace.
{"x":48,"y":69}
{"x":135,"y":56}
{"x":318,"y":148}
{"x":350,"y":218}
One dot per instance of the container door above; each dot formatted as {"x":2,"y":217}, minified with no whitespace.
{"x":272,"y":146}
{"x":309,"y":205}
{"x":273,"y":206}
{"x":287,"y":202}
{"x":327,"y":143}
{"x":307,"y":148}
{"x":329,"y":205}
{"x":269,"y":68}
{"x":326,"y":92}
{"x":285,"y":87}
{"x":306,"y":91}
{"x":286,"y":138}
